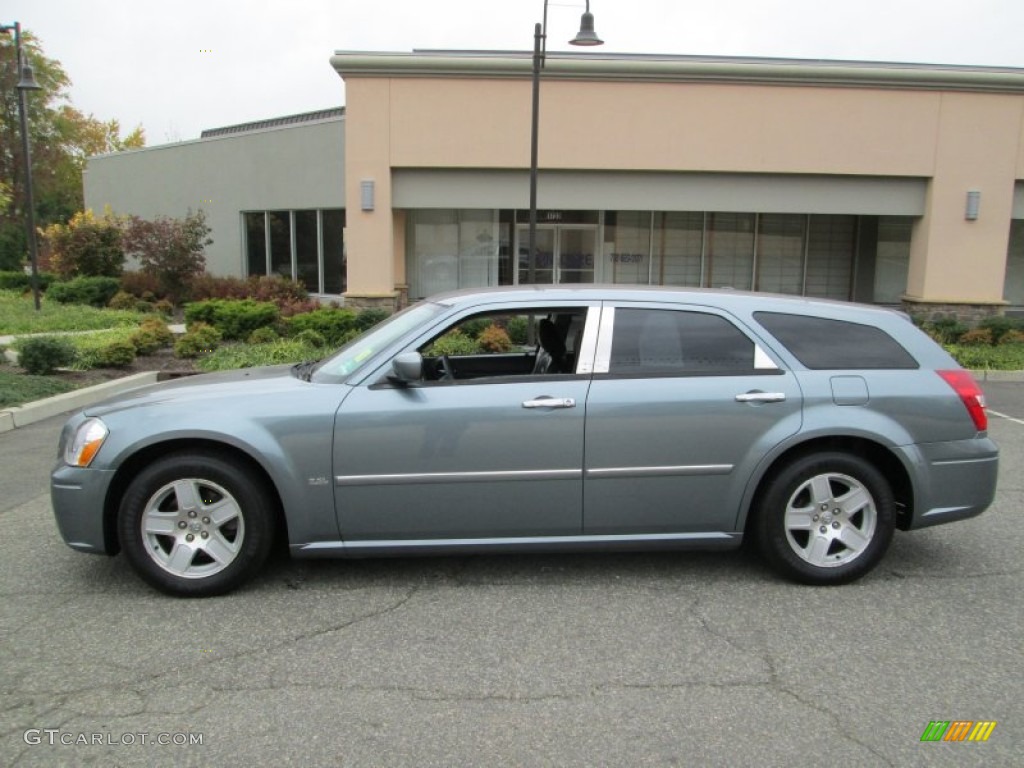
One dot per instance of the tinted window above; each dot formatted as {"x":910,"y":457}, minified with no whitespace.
{"x":820,"y":343}
{"x":652,"y":341}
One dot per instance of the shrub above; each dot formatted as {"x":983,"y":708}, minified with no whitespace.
{"x":96,"y":291}
{"x":453,"y":343}
{"x":140,"y":284}
{"x":234,"y":318}
{"x":336,"y":326}
{"x":474,"y":328}
{"x":977,"y":337}
{"x":1000,"y":325}
{"x":116,"y":354}
{"x":200,"y":339}
{"x":42,"y":355}
{"x":22,"y":281}
{"x":151,"y":337}
{"x":86,"y":246}
{"x":246,"y":356}
{"x":311,"y":338}
{"x":1012,"y":337}
{"x":518,"y":329}
{"x":171,"y":250}
{"x":494,"y":338}
{"x":1005,"y":357}
{"x":945,"y":330}
{"x":164,"y":307}
{"x":368,"y":318}
{"x":263,"y":335}
{"x":123,"y":300}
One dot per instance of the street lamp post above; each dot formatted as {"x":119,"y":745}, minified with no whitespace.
{"x":26,"y":82}
{"x":586,"y":36}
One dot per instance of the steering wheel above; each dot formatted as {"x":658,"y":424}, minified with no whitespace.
{"x":447,"y":372}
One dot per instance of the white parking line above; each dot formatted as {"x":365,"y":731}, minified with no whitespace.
{"x":1004,"y":416}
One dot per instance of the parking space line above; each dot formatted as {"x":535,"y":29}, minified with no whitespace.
{"x":1004,"y":416}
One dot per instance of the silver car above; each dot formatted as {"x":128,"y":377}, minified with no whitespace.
{"x":536,"y":419}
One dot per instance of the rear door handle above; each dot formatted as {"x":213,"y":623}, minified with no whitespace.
{"x":550,"y":402}
{"x":761,"y":397}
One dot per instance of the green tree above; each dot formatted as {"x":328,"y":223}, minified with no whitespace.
{"x":62,"y":138}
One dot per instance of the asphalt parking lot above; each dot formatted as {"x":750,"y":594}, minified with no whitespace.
{"x":631,"y":659}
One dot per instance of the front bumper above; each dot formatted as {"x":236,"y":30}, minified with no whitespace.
{"x":954,"y":480}
{"x":79,"y":497}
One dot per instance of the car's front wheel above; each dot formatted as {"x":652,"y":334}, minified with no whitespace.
{"x":196,"y":524}
{"x":826,"y":519}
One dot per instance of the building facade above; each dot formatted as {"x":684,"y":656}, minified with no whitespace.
{"x":893,"y":184}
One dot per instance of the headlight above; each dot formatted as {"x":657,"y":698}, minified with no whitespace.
{"x":84,"y":446}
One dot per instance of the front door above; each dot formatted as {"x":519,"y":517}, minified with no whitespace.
{"x":485,"y":447}
{"x":564,"y":253}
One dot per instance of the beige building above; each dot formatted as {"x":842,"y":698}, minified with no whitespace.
{"x":884,"y":183}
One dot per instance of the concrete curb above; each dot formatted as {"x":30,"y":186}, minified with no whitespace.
{"x":21,"y":416}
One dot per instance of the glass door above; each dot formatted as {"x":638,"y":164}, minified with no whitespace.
{"x":565,"y":253}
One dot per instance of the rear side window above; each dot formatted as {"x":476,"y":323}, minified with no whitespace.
{"x":672,"y":342}
{"x":824,"y":344}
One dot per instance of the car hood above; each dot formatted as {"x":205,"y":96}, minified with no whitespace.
{"x":226,"y":385}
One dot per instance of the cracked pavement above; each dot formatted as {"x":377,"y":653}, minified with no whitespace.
{"x":626,"y":659}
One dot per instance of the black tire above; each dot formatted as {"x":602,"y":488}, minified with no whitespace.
{"x":209,"y":524}
{"x":826,"y":518}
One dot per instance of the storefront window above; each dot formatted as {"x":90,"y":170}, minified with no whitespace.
{"x":730,"y":250}
{"x":832,"y":243}
{"x":303,"y":244}
{"x":627,"y":247}
{"x":892,"y":259}
{"x":1013,"y":285}
{"x":449,"y":249}
{"x":678,"y":248}
{"x":780,"y":253}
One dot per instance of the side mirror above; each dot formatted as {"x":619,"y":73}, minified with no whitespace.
{"x":408,"y":368}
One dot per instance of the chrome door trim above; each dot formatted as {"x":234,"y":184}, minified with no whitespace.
{"x":603,"y":358}
{"x":458,"y":477}
{"x":588,"y":344}
{"x":520,"y":541}
{"x":671,"y":471}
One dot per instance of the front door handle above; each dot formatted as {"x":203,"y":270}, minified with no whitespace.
{"x":550,"y":402}
{"x":761,"y":397}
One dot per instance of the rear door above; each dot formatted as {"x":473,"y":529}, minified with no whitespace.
{"x":683,"y":405}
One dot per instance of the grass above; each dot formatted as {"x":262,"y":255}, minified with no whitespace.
{"x":231,"y":356}
{"x":18,"y":316}
{"x":21,"y":388}
{"x":1002,"y":357}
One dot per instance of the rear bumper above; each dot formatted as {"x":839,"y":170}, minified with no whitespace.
{"x":78,"y":497}
{"x":953,"y":480}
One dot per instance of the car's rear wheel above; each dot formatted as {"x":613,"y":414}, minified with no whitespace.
{"x":196,"y":524}
{"x":826,"y":519}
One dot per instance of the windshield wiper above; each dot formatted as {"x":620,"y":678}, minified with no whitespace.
{"x":304,"y":370}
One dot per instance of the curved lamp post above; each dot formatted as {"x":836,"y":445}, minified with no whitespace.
{"x":26,"y":82}
{"x":586,"y":36}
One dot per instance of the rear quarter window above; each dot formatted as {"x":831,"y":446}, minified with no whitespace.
{"x":821,"y":343}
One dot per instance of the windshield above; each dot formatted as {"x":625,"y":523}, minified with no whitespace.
{"x":351,"y":357}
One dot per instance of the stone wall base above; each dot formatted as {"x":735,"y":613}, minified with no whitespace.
{"x":968,"y":314}
{"x":388,"y":302}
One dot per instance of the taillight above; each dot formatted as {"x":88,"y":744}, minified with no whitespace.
{"x":970,"y":393}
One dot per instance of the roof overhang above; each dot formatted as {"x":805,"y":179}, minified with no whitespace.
{"x":656,"y":68}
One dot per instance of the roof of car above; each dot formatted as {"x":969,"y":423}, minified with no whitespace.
{"x":722,"y":297}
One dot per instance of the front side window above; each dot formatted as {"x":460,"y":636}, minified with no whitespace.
{"x":528,"y":342}
{"x":682,"y":343}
